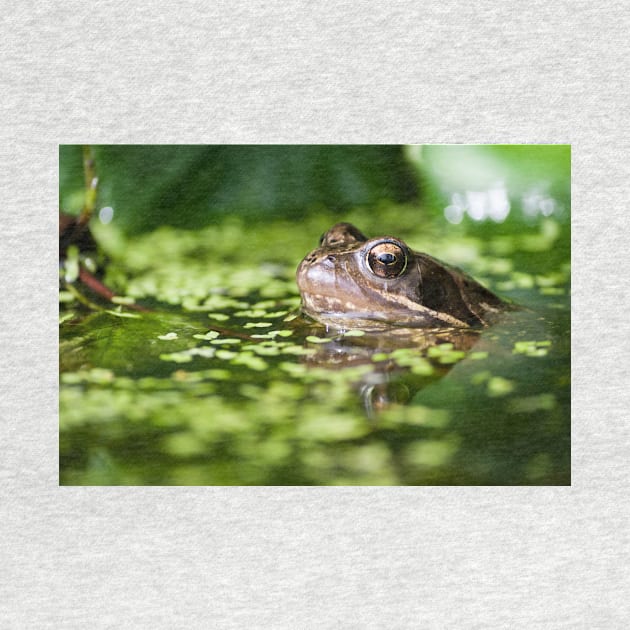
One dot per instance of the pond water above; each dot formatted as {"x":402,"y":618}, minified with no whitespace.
{"x":220,"y":383}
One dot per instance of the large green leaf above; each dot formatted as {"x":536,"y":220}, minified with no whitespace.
{"x":190,"y":186}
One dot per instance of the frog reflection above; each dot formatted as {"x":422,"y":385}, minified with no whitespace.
{"x":393,"y":357}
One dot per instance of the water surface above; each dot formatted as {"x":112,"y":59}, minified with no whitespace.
{"x":218,"y":386}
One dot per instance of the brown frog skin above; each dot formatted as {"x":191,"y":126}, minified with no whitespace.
{"x":351,"y":281}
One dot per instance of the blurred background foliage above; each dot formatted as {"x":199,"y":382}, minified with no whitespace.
{"x":206,"y":232}
{"x":193,"y":186}
{"x":190,"y":186}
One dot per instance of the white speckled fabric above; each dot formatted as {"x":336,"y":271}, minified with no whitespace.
{"x":302,"y":72}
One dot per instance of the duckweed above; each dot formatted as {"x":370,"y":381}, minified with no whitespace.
{"x":354,"y":333}
{"x":276,"y":314}
{"x":117,"y":313}
{"x":532,"y":348}
{"x":430,"y":453}
{"x":477,"y":356}
{"x":220,"y":317}
{"x":168,"y":336}
{"x":499,"y":386}
{"x":314,"y":339}
{"x":253,"y":362}
{"x":226,"y":355}
{"x":270,"y":399}
{"x":211,"y":334}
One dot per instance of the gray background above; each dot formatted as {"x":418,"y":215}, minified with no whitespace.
{"x":303,"y":72}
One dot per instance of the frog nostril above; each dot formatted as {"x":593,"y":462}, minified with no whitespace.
{"x":331,"y":258}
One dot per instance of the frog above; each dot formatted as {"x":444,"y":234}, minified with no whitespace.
{"x":352,"y":281}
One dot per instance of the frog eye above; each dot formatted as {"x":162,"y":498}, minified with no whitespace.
{"x":387,"y":259}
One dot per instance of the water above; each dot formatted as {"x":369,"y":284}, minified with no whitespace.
{"x":216,"y":386}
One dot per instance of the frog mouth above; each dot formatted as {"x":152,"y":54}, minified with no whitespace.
{"x":322,"y":306}
{"x":328,"y":295}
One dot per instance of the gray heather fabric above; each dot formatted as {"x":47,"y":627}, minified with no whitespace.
{"x":300,"y":72}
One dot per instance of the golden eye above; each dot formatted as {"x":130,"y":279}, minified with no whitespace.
{"x":387,"y":259}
